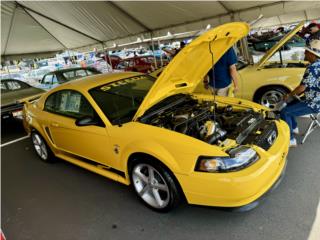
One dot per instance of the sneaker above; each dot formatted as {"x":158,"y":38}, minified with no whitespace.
{"x":296,"y":131}
{"x":293,"y":142}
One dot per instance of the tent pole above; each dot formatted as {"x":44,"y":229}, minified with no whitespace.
{"x":154,"y":56}
{"x":108,"y":56}
{"x":161,"y":60}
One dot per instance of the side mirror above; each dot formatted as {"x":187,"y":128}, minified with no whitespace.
{"x":86,"y":121}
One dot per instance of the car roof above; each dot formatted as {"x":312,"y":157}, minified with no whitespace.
{"x":87,"y":83}
{"x":136,"y":57}
{"x":72,"y":69}
{"x":11,"y":79}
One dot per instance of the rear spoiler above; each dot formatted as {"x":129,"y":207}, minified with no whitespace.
{"x":30,"y":99}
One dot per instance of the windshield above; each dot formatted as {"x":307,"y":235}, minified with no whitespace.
{"x":120,"y":100}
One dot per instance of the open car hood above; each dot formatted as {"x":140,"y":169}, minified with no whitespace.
{"x":192,"y":63}
{"x":277,"y":46}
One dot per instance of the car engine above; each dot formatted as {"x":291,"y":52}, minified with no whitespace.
{"x":207,"y":122}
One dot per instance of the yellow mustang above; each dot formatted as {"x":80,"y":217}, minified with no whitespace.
{"x":162,"y":139}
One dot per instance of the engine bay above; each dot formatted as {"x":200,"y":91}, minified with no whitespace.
{"x":206,"y":121}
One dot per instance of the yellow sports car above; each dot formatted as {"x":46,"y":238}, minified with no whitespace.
{"x":162,"y":139}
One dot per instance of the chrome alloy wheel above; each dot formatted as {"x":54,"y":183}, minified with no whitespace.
{"x":271,"y":98}
{"x":150,"y":185}
{"x":40,"y":146}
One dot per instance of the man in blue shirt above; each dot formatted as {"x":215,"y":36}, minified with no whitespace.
{"x":310,"y":86}
{"x":224,"y":72}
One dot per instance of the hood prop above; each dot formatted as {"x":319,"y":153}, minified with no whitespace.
{"x":214,"y":84}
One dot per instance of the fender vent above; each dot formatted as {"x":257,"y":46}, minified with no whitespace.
{"x":48,"y":133}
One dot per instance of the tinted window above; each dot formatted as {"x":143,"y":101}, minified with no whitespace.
{"x":120,"y":100}
{"x":15,"y":85}
{"x":69,"y":103}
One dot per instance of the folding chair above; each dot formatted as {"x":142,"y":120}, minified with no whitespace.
{"x":313,"y":125}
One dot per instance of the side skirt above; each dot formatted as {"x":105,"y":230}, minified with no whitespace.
{"x":96,"y":168}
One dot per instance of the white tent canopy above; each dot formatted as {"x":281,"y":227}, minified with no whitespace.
{"x":37,"y":27}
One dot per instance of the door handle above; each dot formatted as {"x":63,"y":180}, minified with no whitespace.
{"x":54,"y":124}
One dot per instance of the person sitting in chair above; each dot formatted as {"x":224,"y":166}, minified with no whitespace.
{"x":310,"y":86}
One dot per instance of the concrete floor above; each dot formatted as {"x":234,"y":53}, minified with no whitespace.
{"x":61,"y":201}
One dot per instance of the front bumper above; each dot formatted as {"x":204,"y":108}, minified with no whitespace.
{"x":236,"y":189}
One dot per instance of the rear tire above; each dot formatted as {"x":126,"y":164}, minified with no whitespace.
{"x":270,"y":96}
{"x":154,"y":185}
{"x":41,"y":148}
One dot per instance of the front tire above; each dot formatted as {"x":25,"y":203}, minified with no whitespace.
{"x":155,"y":186}
{"x":41,"y":147}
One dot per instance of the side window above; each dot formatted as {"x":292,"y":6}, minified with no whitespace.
{"x":55,"y":80}
{"x":81,"y":73}
{"x":47,"y":79}
{"x":69,"y":103}
{"x":3,"y":86}
{"x":122,"y":65}
{"x":51,"y":105}
{"x":13,"y":85}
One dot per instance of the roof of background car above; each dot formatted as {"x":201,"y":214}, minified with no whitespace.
{"x":12,"y":79}
{"x":92,"y":81}
{"x":130,"y":58}
{"x":72,"y":69}
{"x":8,"y":79}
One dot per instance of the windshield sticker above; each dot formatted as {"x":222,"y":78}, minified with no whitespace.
{"x":121,"y":82}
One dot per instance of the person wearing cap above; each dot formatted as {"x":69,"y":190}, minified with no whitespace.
{"x":310,"y":86}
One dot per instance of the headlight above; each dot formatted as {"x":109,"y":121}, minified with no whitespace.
{"x":239,"y":158}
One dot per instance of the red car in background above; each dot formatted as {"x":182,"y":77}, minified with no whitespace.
{"x":143,"y":64}
{"x":112,"y":60}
